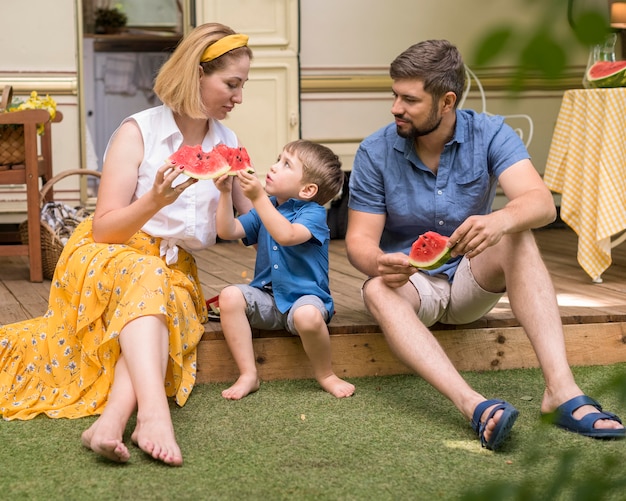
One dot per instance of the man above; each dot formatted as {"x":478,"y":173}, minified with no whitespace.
{"x":436,"y":168}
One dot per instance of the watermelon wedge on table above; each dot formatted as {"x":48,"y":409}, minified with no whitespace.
{"x":606,"y":74}
{"x":429,"y":251}
{"x":200,"y":164}
{"x":237,"y":158}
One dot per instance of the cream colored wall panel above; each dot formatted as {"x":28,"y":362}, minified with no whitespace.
{"x":38,"y":35}
{"x":269,"y":23}
{"x":344,"y":117}
{"x":370,"y":33}
{"x":268,"y":117}
{"x":341,"y":121}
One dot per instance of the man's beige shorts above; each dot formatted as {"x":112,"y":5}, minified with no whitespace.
{"x":460,"y":302}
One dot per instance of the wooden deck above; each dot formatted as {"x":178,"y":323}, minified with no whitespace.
{"x":594,"y":317}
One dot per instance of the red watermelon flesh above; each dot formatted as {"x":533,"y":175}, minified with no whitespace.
{"x":237,"y":158}
{"x":200,"y":164}
{"x":607,"y":74}
{"x":429,"y":251}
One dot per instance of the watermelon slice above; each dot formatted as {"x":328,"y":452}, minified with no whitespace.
{"x":213,"y":307}
{"x":607,"y":74}
{"x":237,"y":158}
{"x":429,"y":251}
{"x":200,"y":164}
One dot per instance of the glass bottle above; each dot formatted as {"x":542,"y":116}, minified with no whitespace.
{"x":600,"y":52}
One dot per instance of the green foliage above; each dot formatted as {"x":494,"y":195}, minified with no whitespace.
{"x":590,"y":28}
{"x":493,"y":44}
{"x":573,"y":479}
{"x":544,"y":54}
{"x":110,"y":18}
{"x":540,"y":49}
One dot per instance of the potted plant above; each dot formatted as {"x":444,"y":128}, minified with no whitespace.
{"x":109,"y":19}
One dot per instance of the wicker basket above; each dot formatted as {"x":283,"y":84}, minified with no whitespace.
{"x":12,"y":149}
{"x":51,"y":244}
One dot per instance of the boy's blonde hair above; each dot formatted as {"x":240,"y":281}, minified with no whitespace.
{"x":178,"y":84}
{"x":320,"y":166}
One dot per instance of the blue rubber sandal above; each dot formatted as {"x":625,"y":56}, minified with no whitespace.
{"x":563,"y":417}
{"x":502,"y":429}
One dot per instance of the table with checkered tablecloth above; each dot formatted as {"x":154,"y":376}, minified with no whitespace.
{"x":587,"y":165}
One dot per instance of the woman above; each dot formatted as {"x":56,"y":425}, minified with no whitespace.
{"x":126,"y":308}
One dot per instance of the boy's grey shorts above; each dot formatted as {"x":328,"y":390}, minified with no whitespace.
{"x":262,"y":312}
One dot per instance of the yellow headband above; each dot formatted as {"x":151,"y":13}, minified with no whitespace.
{"x":224,"y":45}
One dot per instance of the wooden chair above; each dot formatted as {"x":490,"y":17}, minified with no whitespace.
{"x":37,"y":164}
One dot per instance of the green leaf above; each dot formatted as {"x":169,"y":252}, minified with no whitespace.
{"x":545,"y":54}
{"x":492,"y":45}
{"x":590,"y":27}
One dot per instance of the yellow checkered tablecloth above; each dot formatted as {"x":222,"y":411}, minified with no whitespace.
{"x":587,"y":165}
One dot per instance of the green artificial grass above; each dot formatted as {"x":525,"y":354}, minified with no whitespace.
{"x":395,"y":439}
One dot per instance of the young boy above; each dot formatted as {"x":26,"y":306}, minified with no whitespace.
{"x":290,"y":287}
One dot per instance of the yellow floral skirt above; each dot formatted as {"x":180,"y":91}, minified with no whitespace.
{"x":62,"y":364}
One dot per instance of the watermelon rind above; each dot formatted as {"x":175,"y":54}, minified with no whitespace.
{"x":430,"y":251}
{"x":607,"y":74}
{"x":233,"y":172}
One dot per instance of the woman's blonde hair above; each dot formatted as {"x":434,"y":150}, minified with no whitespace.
{"x":177,"y":85}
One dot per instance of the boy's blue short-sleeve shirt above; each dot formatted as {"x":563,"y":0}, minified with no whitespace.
{"x":292,"y":271}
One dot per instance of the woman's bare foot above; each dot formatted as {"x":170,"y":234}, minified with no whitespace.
{"x":156,"y":438}
{"x":336,"y":386}
{"x":105,"y":441}
{"x":244,"y":385}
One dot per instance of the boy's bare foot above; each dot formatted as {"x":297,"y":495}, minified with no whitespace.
{"x":156,"y":438}
{"x":336,"y":386}
{"x":244,"y":385}
{"x":100,"y":440}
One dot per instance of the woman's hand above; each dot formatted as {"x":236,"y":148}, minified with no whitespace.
{"x":164,"y":190}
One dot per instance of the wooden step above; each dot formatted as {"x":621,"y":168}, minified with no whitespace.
{"x":594,"y":317}
{"x":280,"y":356}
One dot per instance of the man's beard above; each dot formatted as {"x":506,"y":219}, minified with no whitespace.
{"x":432,"y":124}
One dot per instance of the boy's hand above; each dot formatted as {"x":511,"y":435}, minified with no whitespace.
{"x":250,"y":185}
{"x":224,"y":183}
